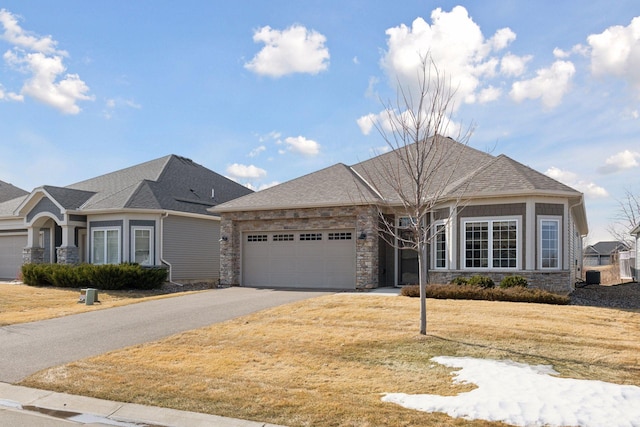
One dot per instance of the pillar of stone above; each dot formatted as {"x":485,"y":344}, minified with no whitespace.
{"x":33,"y":255}
{"x":68,"y":255}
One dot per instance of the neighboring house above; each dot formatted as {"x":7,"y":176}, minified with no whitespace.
{"x":321,"y":230}
{"x":603,"y":253}
{"x":154,"y":213}
{"x":9,"y":192}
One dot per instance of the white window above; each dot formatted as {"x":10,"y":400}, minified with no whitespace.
{"x":105,"y":245}
{"x":440,"y":245}
{"x":491,"y":244}
{"x":549,"y":247}
{"x":142,"y":245}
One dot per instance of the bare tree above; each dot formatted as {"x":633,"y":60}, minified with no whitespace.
{"x":421,"y":168}
{"x":626,"y":217}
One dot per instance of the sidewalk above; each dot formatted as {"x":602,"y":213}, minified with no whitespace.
{"x":21,"y":406}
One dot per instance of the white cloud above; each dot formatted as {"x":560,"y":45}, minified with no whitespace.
{"x":261,"y":186}
{"x":367,"y":122}
{"x":524,"y":395}
{"x":623,"y":160}
{"x":456,"y":45}
{"x":294,"y":50}
{"x":489,"y":94}
{"x":302,"y":145}
{"x":616,"y":51}
{"x":256,"y":151}
{"x":514,"y":65}
{"x":389,"y":121}
{"x":239,"y":171}
{"x":549,"y":85}
{"x":112,"y":104}
{"x":590,"y":189}
{"x":38,"y":58}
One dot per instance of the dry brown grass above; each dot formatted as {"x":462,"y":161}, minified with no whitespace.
{"x":326,"y":361}
{"x":21,"y":303}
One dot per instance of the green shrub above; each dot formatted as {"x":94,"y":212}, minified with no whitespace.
{"x":513,"y":281}
{"x":514,"y":294}
{"x":107,"y":277}
{"x":460,"y":281}
{"x":484,"y":282}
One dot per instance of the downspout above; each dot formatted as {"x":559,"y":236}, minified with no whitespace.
{"x":162,"y":260}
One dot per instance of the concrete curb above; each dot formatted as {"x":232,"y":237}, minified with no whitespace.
{"x":22,"y":406}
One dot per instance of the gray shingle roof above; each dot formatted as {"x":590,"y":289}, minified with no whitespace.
{"x":170,"y":183}
{"x":606,"y":248}
{"x":67,"y":197}
{"x":336,"y":185}
{"x":468,"y":171}
{"x":10,"y":191}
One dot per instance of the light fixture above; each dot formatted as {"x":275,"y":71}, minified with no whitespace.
{"x":224,"y":239}
{"x":362,"y":235}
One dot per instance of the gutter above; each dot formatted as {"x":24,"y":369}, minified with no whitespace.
{"x":162,"y":260}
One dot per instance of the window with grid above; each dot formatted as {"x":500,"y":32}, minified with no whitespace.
{"x":256,"y":238}
{"x":311,"y":236}
{"x":491,"y":244}
{"x":550,"y":243}
{"x":339,"y":236}
{"x":283,"y":237}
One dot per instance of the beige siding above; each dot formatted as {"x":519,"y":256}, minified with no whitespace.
{"x":192,"y":247}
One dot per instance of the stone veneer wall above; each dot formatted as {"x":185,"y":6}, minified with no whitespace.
{"x":558,"y":282}
{"x":363,"y":219}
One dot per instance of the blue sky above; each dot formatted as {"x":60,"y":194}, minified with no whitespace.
{"x":264,"y":92}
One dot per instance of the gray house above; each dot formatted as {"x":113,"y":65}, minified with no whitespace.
{"x":322,"y":230}
{"x":603,"y":253}
{"x":154,"y":213}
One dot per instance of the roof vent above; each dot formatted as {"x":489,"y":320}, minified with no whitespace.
{"x":213,"y":193}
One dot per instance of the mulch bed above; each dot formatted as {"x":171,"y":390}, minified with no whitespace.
{"x":625,"y":296}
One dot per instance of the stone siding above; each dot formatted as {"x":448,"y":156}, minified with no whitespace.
{"x":68,"y":255}
{"x":33,"y":255}
{"x":362,"y":219}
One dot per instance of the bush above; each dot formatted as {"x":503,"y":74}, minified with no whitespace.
{"x":513,"y":281}
{"x":482,"y":281}
{"x":513,"y":294}
{"x":107,"y":277}
{"x":460,"y":281}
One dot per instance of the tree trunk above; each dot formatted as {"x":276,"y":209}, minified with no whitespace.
{"x":423,"y":277}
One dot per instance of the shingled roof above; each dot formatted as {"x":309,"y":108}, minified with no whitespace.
{"x":10,"y":191}
{"x":468,"y":171}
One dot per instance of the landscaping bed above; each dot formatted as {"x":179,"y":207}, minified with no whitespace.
{"x":625,"y":296}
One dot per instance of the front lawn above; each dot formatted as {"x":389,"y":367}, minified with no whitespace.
{"x":327,"y":361}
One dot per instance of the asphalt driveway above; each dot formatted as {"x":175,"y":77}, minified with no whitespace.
{"x":30,"y":347}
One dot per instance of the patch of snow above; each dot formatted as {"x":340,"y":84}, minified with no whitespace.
{"x":525,"y":395}
{"x":10,"y":404}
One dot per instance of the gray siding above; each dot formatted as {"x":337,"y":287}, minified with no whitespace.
{"x":192,"y":247}
{"x":45,"y":205}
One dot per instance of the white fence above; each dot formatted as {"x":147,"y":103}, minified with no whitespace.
{"x":627,"y":265}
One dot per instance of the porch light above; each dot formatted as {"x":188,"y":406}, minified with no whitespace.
{"x":224,"y":239}
{"x":362,"y":236}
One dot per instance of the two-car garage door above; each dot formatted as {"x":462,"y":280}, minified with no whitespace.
{"x":299,"y":259}
{"x":11,"y":246}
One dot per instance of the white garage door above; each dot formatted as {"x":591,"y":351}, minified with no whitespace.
{"x":300,"y":259}
{"x":11,"y":254}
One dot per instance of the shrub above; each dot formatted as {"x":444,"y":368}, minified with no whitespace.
{"x":460,"y":281}
{"x":482,"y":281}
{"x":514,"y":294}
{"x":513,"y":281}
{"x":410,"y":291}
{"x":107,"y":277}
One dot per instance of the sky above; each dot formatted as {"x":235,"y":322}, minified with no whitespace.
{"x":525,"y":395}
{"x":264,"y":92}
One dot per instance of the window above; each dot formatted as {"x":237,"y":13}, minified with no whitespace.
{"x":339,"y":236}
{"x":440,"y":243}
{"x":550,"y":243}
{"x":311,"y":236}
{"x":105,"y":245}
{"x":283,"y":237}
{"x":491,"y":244}
{"x":257,"y":238}
{"x":142,"y":248}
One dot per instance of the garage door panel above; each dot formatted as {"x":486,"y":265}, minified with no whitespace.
{"x":11,"y":255}
{"x":303,"y":259}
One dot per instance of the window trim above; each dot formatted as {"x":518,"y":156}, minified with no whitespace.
{"x":557,"y":220}
{"x":152,"y":242}
{"x":490,"y":221}
{"x":105,"y":230}
{"x":434,"y":245}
